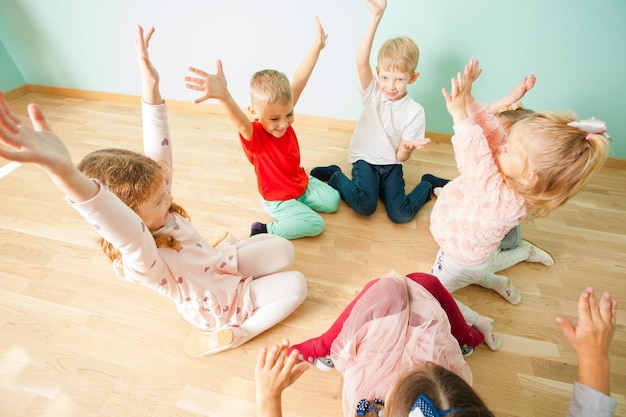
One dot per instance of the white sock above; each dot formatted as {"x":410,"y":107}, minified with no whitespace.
{"x":502,"y":285}
{"x":538,"y":255}
{"x":486,"y":326}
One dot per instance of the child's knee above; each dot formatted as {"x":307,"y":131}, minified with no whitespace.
{"x":332,"y":203}
{"x":316,"y":226}
{"x":365,"y":207}
{"x":301,"y":287}
{"x":399,"y":217}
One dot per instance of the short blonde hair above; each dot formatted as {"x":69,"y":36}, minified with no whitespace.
{"x":400,"y":54}
{"x":270,"y":86}
{"x":563,"y":158}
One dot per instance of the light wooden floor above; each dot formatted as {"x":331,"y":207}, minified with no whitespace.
{"x":77,"y":341}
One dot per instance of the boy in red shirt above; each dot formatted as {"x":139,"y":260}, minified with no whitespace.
{"x":288,"y":194}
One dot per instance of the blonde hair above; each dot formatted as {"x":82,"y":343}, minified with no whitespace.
{"x":133,"y":178}
{"x":508,"y":116}
{"x":400,"y":54}
{"x":563,"y":159}
{"x":444,"y":388}
{"x":270,"y":86}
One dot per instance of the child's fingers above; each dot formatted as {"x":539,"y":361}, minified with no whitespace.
{"x":453,"y":87}
{"x":298,"y":370}
{"x":260,"y":360}
{"x":8,"y":121}
{"x":194,"y":80}
{"x":607,"y":310}
{"x":613,"y":312}
{"x":218,"y":65}
{"x":139,"y":39}
{"x":197,"y":71}
{"x":292,"y":358}
{"x":281,"y":354}
{"x":568,"y":328}
{"x":37,"y":118}
{"x":584,"y":312}
{"x":148,"y":36}
{"x":293,"y":368}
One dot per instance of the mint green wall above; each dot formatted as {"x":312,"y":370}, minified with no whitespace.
{"x":10,"y":76}
{"x":575,"y":47}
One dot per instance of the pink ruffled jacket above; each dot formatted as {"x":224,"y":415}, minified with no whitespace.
{"x":477,"y":209}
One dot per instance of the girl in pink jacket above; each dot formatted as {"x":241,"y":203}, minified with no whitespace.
{"x":546,"y":159}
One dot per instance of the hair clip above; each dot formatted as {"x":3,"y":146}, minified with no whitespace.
{"x":592,"y":125}
{"x":364,"y":407}
{"x":424,"y":407}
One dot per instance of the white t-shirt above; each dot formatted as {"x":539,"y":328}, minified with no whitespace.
{"x":383,"y":124}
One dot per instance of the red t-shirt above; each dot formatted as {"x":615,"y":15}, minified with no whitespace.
{"x":276,"y":163}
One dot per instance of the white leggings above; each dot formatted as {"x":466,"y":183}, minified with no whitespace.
{"x":454,"y":276}
{"x":275,"y":295}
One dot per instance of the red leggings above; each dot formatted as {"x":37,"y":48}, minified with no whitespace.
{"x":319,"y":347}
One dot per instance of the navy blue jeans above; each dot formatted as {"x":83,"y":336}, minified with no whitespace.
{"x":385,"y":181}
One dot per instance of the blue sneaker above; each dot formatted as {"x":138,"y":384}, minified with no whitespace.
{"x":467,"y":350}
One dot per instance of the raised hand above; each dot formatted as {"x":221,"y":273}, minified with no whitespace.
{"x":40,"y":145}
{"x":275,"y":370}
{"x":509,"y":101}
{"x":149,"y":74}
{"x":212,"y":85}
{"x":591,"y":337}
{"x":522,"y":88}
{"x":456,"y":98}
{"x":376,"y":7}
{"x":321,"y":34}
{"x":473,"y":71}
{"x":37,"y":144}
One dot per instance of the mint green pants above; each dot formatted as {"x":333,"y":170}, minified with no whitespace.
{"x":297,"y":218}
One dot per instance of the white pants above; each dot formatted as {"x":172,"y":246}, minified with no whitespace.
{"x":275,"y":295}
{"x":454,"y":275}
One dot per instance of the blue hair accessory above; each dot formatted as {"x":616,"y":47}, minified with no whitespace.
{"x":364,"y":406}
{"x":424,"y":407}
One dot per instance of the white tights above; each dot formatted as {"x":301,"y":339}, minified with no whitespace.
{"x":275,"y":295}
{"x":454,"y":276}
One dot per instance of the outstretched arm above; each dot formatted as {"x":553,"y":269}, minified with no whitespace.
{"x":516,"y":94}
{"x":364,"y":69}
{"x":275,"y":370}
{"x":215,"y":86}
{"x":303,"y":72}
{"x":149,"y":75}
{"x":406,"y":148}
{"x":41,"y":146}
{"x":591,"y":337}
{"x":456,"y":99}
